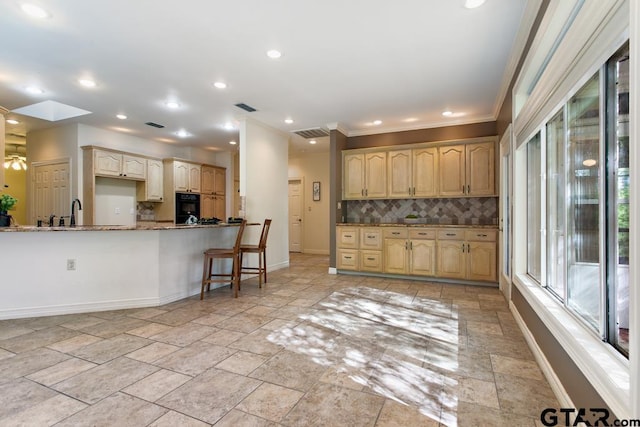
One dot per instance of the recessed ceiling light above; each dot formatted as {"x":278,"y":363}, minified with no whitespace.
{"x":220,"y":85}
{"x":34,"y":11}
{"x":312,"y":141}
{"x":121,"y":116}
{"x":288,"y":121}
{"x":172,"y":104}
{"x":229,"y":126}
{"x":377,"y":122}
{"x":472,"y":4}
{"x":447,"y":113}
{"x":232,"y":142}
{"x":410,"y":120}
{"x":87,"y":82}
{"x":274,"y":54}
{"x":183,"y":133}
{"x":34,"y":90}
{"x":12,"y":121}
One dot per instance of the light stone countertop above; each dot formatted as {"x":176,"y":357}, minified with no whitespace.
{"x":157,"y":226}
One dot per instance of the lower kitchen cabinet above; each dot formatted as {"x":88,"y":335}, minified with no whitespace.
{"x":410,"y":252}
{"x":451,"y":259}
{"x":467,"y":254}
{"x":347,"y":259}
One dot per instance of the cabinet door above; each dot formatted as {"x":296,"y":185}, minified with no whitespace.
{"x":220,"y":207}
{"x":480,"y":167}
{"x":375,"y":175}
{"x":207,"y":206}
{"x":194,"y":178}
{"x":353,"y":175}
{"x":107,"y":163}
{"x":220,"y":181}
{"x":422,"y":257}
{"x":208,"y":180}
{"x":451,"y":259}
{"x":154,"y":185}
{"x":451,"y":170}
{"x":395,"y":256}
{"x":180,"y":176}
{"x":399,"y":173}
{"x":425,"y":172}
{"x":482,"y":261}
{"x":134,"y":167}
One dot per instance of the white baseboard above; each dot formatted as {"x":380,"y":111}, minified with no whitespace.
{"x":545,"y":366}
{"x":333,"y":270}
{"x":316,"y":251}
{"x":78,"y":308}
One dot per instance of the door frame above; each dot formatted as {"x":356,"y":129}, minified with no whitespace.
{"x":302,"y":204}
{"x":506,"y":161}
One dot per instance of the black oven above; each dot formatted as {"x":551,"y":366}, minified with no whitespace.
{"x":187,"y":204}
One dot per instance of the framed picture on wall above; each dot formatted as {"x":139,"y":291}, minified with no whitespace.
{"x":316,"y":191}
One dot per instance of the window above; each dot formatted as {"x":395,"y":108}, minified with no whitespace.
{"x":583,"y":150}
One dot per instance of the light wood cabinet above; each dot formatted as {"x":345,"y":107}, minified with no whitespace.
{"x":410,"y":251}
{"x":114,"y":164}
{"x":347,"y":253}
{"x":347,"y":237}
{"x":467,"y":254}
{"x":152,"y":190}
{"x":412,"y":173}
{"x":213,"y":200}
{"x":365,"y":176}
{"x":186,"y":177}
{"x":467,"y":170}
{"x":347,"y":259}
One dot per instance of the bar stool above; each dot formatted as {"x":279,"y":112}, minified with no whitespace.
{"x":261,"y":250}
{"x":223,"y":253}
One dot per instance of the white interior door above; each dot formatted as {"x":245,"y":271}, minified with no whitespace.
{"x":296,"y":198}
{"x":505,"y":208}
{"x":51,"y":190}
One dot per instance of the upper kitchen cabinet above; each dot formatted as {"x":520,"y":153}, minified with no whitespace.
{"x":467,"y":169}
{"x":186,"y":177}
{"x":114,"y":164}
{"x":412,"y":173}
{"x":152,"y":190}
{"x":213,"y":201}
{"x":365,"y":175}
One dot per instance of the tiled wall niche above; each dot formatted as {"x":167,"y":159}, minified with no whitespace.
{"x":459,"y":211}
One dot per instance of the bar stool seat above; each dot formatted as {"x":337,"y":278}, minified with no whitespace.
{"x":261,"y":250}
{"x":233,"y":254}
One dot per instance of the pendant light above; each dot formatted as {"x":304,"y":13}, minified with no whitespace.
{"x":15,"y":161}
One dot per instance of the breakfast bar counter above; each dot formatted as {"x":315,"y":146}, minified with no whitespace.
{"x":62,"y":270}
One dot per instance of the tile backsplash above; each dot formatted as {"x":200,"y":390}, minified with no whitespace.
{"x":464,"y":211}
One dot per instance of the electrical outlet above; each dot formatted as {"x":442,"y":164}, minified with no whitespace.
{"x":71,"y":264}
{"x":117,"y":211}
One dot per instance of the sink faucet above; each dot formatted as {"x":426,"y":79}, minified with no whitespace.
{"x":72,"y":220}
{"x":51,"y":217}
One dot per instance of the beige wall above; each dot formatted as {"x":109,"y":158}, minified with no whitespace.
{"x":314,"y":167}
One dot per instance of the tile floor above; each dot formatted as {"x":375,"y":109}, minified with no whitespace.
{"x":309,"y":349}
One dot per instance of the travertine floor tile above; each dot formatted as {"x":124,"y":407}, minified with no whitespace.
{"x":175,"y":419}
{"x":237,"y":418}
{"x":395,"y":414}
{"x":157,"y":385}
{"x":185,"y":334}
{"x":195,"y":358}
{"x":61,"y":371}
{"x":524,"y":396}
{"x":270,"y":401}
{"x":291,"y":370}
{"x":74,"y":343}
{"x":223,"y":337}
{"x":27,"y":363}
{"x":211,"y":395}
{"x":39,"y":338}
{"x":117,"y":410}
{"x":516,"y":367}
{"x":109,"y":349}
{"x":153,"y":352}
{"x":19,"y":395}
{"x":242,"y":362}
{"x":149,"y":330}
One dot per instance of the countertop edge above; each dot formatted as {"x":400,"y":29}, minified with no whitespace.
{"x":352,"y":224}
{"x":33,"y":228}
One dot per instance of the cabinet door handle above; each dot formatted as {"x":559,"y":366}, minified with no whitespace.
{"x":450,"y":234}
{"x":468,"y":248}
{"x":395,"y":233}
{"x":463,"y":192}
{"x":406,"y":245}
{"x":422,"y":233}
{"x":348,"y":236}
{"x":362,"y":192}
{"x":410,"y":245}
{"x":347,"y":257}
{"x":414,"y":191}
{"x":366,"y":191}
{"x":481,"y":235}
{"x":371,"y":259}
{"x":463,"y":248}
{"x":371,"y":237}
{"x":468,"y":189}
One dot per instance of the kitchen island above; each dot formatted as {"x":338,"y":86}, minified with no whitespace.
{"x":62,"y":270}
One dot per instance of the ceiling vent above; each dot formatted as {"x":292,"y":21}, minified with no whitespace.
{"x":246,"y":107}
{"x":155,"y":125}
{"x":312,"y":133}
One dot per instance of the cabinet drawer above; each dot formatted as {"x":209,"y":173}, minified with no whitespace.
{"x":451,"y":234}
{"x":371,"y":261}
{"x":347,"y":259}
{"x":371,"y":238}
{"x":480,"y":235}
{"x":347,"y":237}
{"x":418,"y":233}
{"x":396,"y":233}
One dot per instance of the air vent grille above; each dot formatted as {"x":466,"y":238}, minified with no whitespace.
{"x":155,"y":125}
{"x":246,"y":107}
{"x":312,"y":133}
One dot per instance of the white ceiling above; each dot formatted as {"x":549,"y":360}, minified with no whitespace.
{"x":344,"y":62}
